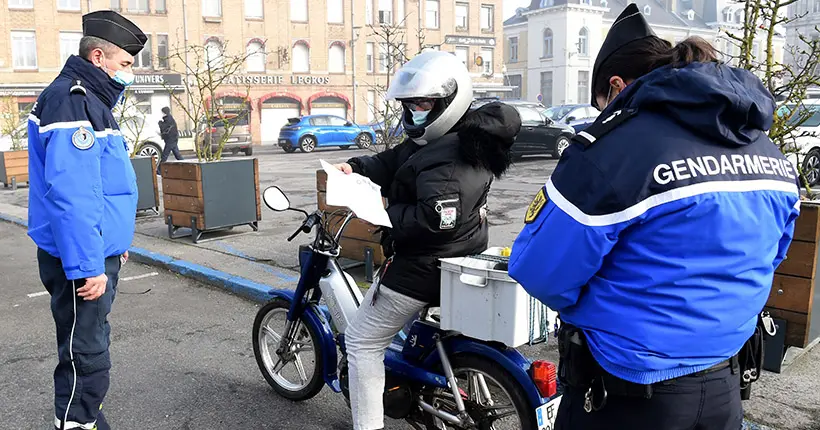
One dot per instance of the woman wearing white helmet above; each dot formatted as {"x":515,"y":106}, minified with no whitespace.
{"x":436,"y":183}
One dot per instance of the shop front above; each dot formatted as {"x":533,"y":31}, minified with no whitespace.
{"x":152,"y":92}
{"x":273,"y":99}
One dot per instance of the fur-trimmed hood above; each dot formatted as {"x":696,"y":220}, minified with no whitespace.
{"x":486,"y":134}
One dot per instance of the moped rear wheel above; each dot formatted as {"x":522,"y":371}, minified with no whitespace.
{"x":490,"y":395}
{"x":296,"y":374}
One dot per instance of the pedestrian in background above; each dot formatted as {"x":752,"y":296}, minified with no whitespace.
{"x":657,"y":236}
{"x":170,"y":135}
{"x":82,"y":205}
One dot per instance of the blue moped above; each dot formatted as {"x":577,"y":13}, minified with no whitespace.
{"x":435,"y":379}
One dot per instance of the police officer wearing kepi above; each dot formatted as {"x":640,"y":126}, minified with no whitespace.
{"x":82,"y":204}
{"x":657,"y":236}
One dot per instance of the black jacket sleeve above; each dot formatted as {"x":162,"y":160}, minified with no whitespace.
{"x":436,"y":216}
{"x":164,"y":128}
{"x":380,"y":168}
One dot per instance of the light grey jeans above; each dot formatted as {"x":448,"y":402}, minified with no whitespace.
{"x":366,"y":338}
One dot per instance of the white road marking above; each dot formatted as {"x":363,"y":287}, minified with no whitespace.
{"x":134,"y":278}
{"x":130,"y":278}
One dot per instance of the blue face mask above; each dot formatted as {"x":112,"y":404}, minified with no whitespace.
{"x":420,"y":116}
{"x":123,"y":78}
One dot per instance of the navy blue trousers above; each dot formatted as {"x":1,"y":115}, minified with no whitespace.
{"x":707,"y":402}
{"x":81,"y":377}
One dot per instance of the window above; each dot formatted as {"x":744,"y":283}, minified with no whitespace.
{"x":335,"y":121}
{"x":320,"y":120}
{"x":256,"y":57}
{"x":68,"y":4}
{"x":529,"y":115}
{"x":115,"y":4}
{"x":301,"y":57}
{"x":69,"y":45}
{"x":486,"y":17}
{"x":336,"y":59}
{"x":402,"y":17}
{"x":24,"y":49}
{"x":463,"y":54}
{"x":21,"y":4}
{"x":254,"y":9}
{"x":371,"y":105}
{"x":547,"y":3}
{"x":583,"y":42}
{"x":335,"y":13}
{"x":487,"y":64}
{"x":816,"y":6}
{"x":586,"y":2}
{"x":515,"y":82}
{"x":160,"y":6}
{"x":546,"y":88}
{"x":143,"y":59}
{"x":213,"y":54}
{"x":368,"y":11}
{"x":370,"y":58}
{"x":383,"y":58}
{"x":162,"y":51}
{"x":298,"y":10}
{"x":583,"y":86}
{"x":212,"y":8}
{"x":547,"y":43}
{"x":431,"y":9}
{"x":462,"y":16}
{"x":513,"y":43}
{"x":138,"y":6}
{"x":386,"y":12}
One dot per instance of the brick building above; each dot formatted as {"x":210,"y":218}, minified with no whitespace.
{"x":309,"y":48}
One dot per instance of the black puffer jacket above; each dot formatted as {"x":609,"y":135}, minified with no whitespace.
{"x":436,"y":194}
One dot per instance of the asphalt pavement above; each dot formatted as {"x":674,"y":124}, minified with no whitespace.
{"x":181,"y":352}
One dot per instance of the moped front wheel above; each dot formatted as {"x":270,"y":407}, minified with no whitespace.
{"x":295,"y":371}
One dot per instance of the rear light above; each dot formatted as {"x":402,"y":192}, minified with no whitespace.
{"x":544,"y":376}
{"x":213,"y":130}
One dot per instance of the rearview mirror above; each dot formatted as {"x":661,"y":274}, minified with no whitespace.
{"x":275,"y":199}
{"x":570,"y":119}
{"x":348,"y":124}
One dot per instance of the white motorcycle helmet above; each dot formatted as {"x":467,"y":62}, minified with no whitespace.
{"x":435,"y":75}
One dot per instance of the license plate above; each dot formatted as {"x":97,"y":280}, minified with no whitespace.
{"x":546,"y":414}
{"x":283,"y":141}
{"x":233,"y":139}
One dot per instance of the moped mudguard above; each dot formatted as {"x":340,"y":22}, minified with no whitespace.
{"x":317,"y":317}
{"x":510,"y":359}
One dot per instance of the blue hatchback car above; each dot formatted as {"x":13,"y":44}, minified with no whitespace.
{"x":316,"y":131}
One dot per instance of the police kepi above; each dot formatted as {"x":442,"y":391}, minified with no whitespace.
{"x":82,"y":204}
{"x":657,"y":236}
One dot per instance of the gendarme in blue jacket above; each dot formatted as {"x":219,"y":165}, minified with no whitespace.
{"x":83,"y":190}
{"x":660,"y":229}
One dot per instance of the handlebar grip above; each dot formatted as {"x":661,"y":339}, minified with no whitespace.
{"x":294,"y":234}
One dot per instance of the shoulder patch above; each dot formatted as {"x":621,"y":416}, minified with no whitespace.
{"x":536,"y":206}
{"x":77,"y":88}
{"x":82,"y":138}
{"x":602,"y":126}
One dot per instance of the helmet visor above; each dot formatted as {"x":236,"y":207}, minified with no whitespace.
{"x":414,"y":83}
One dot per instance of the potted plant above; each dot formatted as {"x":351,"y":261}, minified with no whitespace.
{"x":795,"y":282}
{"x":211,"y":193}
{"x":14,"y":136}
{"x":135,"y":128}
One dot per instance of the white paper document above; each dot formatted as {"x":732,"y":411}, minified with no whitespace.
{"x":356,"y":192}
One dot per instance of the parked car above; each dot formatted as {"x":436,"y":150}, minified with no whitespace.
{"x":316,"y":131}
{"x":572,"y":114}
{"x":805,"y":139}
{"x":239,"y":139}
{"x":396,"y":130}
{"x":142,"y":132}
{"x":539,"y":134}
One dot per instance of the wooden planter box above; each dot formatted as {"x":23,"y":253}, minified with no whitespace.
{"x":146,"y":171}
{"x":207,"y":196}
{"x":13,"y":168}
{"x":360,"y":241}
{"x":794,"y":295}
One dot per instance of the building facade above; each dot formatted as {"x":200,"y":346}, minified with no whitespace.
{"x":303,"y":56}
{"x":551,"y":45}
{"x":805,"y":23}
